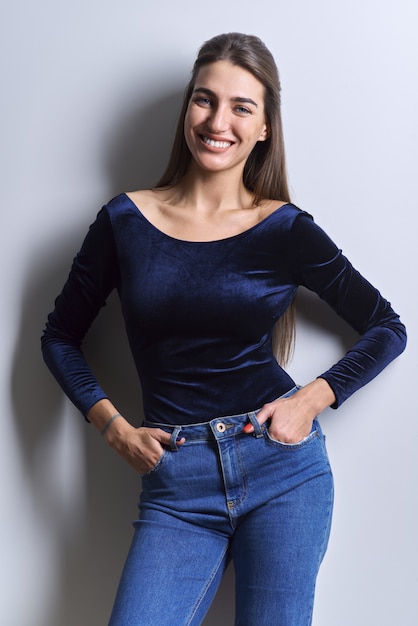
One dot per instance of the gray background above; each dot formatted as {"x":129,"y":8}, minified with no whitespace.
{"x":90,"y":94}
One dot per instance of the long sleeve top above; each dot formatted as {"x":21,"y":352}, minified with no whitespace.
{"x":200,"y":315}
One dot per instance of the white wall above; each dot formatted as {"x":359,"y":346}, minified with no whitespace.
{"x":90,"y":91}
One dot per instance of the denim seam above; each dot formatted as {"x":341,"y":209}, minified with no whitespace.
{"x":206,"y":587}
{"x":244,"y":486}
{"x":324,"y":545}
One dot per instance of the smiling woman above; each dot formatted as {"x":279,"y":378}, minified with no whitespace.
{"x":206,"y":264}
{"x":220,"y":131}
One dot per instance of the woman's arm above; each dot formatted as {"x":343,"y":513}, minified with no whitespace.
{"x":320,"y":266}
{"x":94,"y":274}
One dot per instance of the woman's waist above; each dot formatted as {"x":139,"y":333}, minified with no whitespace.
{"x":183,"y":405}
{"x":215,"y":427}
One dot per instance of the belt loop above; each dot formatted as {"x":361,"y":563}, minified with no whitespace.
{"x":173,"y":439}
{"x":257,"y":428}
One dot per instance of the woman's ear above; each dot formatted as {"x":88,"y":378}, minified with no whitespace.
{"x":265,"y":133}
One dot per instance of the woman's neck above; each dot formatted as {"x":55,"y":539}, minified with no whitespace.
{"x":212,"y":191}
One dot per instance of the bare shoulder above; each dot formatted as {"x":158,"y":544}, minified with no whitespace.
{"x":142,"y":198}
{"x":269,"y":206}
{"x":150,"y":202}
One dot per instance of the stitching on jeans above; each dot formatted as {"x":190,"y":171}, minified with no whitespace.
{"x":206,"y":587}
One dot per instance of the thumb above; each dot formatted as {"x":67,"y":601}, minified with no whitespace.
{"x":164,"y":438}
{"x":262,"y":416}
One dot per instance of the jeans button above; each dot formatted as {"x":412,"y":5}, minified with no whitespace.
{"x":220,"y":427}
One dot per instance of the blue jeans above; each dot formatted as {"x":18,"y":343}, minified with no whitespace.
{"x":226,"y":495}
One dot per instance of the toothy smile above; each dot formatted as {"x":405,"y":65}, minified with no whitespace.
{"x":216,"y":144}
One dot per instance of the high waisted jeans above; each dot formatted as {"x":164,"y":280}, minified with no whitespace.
{"x":225,"y":494}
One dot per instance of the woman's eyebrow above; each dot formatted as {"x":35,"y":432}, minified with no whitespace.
{"x":209,"y":92}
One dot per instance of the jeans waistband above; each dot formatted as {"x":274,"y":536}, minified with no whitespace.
{"x":217,"y":428}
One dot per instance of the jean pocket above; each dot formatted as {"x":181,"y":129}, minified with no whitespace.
{"x":291,"y":446}
{"x":158,"y":464}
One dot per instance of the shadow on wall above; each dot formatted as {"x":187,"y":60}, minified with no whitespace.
{"x":137,"y":148}
{"x":88,"y":560}
{"x":315,"y":313}
{"x":83,"y":545}
{"x":89,"y":563}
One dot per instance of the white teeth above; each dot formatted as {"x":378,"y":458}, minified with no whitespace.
{"x":216,"y":144}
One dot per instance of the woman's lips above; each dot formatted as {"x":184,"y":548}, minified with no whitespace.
{"x":213,"y":143}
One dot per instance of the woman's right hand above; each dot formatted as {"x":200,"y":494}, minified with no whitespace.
{"x":141,"y":447}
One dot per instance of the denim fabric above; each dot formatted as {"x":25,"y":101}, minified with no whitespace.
{"x":225,"y":494}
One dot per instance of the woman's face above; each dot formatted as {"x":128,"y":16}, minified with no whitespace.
{"x":225,"y":117}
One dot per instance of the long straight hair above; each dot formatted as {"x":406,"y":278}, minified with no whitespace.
{"x":265,"y":173}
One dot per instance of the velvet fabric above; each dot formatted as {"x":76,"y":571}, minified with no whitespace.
{"x":200,"y":315}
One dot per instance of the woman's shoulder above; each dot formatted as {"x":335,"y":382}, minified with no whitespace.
{"x":284,"y":211}
{"x":148,"y":202}
{"x":128,"y":202}
{"x":269,"y":205}
{"x":142,"y":197}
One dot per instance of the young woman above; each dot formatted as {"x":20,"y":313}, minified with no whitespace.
{"x":207,"y":265}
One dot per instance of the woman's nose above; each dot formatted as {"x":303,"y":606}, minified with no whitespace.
{"x":218,"y":121}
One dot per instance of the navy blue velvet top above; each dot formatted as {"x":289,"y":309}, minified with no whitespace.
{"x":200,"y":315}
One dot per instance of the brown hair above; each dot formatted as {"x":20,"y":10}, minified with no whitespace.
{"x":265,"y":170}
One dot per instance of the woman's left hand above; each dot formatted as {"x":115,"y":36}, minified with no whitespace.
{"x":291,"y":418}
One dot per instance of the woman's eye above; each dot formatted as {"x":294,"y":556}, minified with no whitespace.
{"x":202,"y":101}
{"x":243,"y":110}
